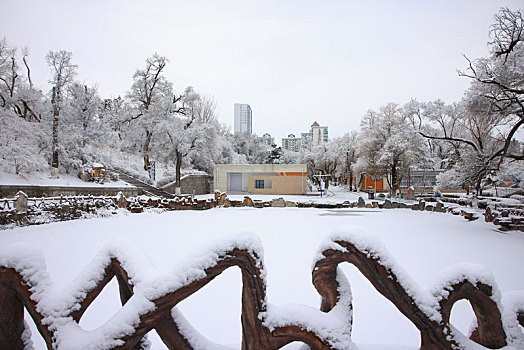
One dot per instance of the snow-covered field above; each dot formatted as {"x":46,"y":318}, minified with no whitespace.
{"x":424,"y":244}
{"x":63,"y":180}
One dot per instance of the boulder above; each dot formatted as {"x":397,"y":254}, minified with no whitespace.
{"x":222,"y":199}
{"x":248,"y":202}
{"x":121,"y":200}
{"x":236,"y":204}
{"x":278,"y":203}
{"x":21,"y":202}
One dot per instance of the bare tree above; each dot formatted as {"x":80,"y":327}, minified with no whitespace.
{"x":498,"y":81}
{"x":493,"y":105}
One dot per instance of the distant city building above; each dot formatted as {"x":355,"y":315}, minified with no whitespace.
{"x":291,"y":143}
{"x":317,"y":135}
{"x":306,"y":140}
{"x":243,"y":119}
{"x":268,"y":139}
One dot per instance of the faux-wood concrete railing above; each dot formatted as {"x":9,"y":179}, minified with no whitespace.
{"x":19,"y":289}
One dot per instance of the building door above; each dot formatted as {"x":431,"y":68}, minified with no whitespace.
{"x":235,"y":182}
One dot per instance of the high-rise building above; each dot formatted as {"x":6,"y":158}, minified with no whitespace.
{"x":268,"y":139}
{"x":319,"y":134}
{"x":291,"y":143}
{"x":243,"y":119}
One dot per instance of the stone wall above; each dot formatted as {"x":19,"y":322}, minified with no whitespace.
{"x":191,"y":184}
{"x":8,"y":191}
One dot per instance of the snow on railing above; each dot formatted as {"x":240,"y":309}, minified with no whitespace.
{"x":149,"y":299}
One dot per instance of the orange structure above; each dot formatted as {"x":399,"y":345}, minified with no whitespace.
{"x":375,"y":183}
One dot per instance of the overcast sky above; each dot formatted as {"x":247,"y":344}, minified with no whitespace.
{"x":293,"y":61}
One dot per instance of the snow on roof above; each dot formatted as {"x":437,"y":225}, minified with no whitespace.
{"x":98,"y":165}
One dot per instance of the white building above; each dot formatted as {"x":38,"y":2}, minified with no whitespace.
{"x":291,"y":143}
{"x":268,"y":139}
{"x":243,"y":119}
{"x":319,"y":134}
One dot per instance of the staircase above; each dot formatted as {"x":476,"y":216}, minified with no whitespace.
{"x":147,"y":188}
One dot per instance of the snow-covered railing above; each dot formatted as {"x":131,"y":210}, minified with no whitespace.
{"x":149,"y":299}
{"x":7,"y":203}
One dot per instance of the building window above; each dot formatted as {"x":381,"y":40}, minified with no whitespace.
{"x":263,"y":184}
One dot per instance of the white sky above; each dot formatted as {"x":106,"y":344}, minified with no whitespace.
{"x":293,"y":61}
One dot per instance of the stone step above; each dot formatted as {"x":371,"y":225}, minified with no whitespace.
{"x":147,"y":188}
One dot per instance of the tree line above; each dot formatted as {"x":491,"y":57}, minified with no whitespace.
{"x":473,"y":140}
{"x":71,"y":126}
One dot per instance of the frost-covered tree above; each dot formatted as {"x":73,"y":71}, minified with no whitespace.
{"x":154,"y":101}
{"x":189,"y":135}
{"x":322,"y":159}
{"x":436,"y":117}
{"x":63,"y":72}
{"x":480,"y":130}
{"x":115,"y":114}
{"x":497,"y":88}
{"x":82,"y":128}
{"x":274,"y":155}
{"x":513,"y":171}
{"x":22,"y":143}
{"x":85,"y":106}
{"x":251,"y":147}
{"x":347,"y":149}
{"x":389,"y":145}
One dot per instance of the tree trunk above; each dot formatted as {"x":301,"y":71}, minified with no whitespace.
{"x":56,"y":114}
{"x":394,"y":179}
{"x":145,"y":149}
{"x":477,"y":188}
{"x":359,"y":184}
{"x":178,"y":166}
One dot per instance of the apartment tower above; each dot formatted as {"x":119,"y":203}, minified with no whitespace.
{"x":243,"y":119}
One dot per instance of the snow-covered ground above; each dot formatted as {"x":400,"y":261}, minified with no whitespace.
{"x":335,"y":194}
{"x":44,"y":179}
{"x":424,"y":244}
